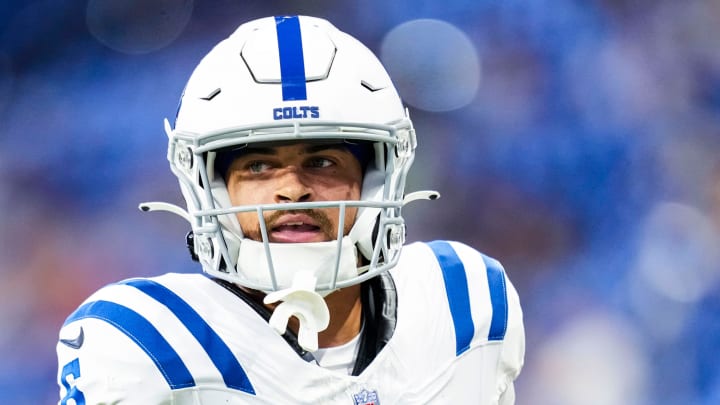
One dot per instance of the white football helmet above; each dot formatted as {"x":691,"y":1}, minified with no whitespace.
{"x":290,"y":79}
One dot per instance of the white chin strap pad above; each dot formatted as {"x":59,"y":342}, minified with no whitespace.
{"x":302,"y":302}
{"x":288,"y":259}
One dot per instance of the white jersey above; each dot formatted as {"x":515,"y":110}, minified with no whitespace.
{"x":185,"y":339}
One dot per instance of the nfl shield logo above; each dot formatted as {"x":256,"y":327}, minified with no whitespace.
{"x":366,"y":397}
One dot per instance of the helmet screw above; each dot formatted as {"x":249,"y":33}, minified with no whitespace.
{"x":402,"y":148}
{"x":205,"y":248}
{"x":397,"y":237}
{"x":185,"y":158}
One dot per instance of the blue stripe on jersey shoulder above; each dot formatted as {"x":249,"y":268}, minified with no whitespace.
{"x":144,"y":334}
{"x":498,"y":297}
{"x":456,"y":287}
{"x":220,"y":354}
{"x":292,"y":62}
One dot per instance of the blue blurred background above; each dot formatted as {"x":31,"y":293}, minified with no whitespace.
{"x":575,"y":140}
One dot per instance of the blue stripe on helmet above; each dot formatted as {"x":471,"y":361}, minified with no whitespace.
{"x":144,"y":334}
{"x":456,"y":287}
{"x":220,"y":354}
{"x":292,"y":63}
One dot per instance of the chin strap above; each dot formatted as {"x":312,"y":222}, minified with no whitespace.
{"x":302,"y":302}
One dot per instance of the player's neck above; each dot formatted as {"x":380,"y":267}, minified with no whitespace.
{"x":345,"y":307}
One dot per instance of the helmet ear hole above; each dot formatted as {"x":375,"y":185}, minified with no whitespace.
{"x":190,"y":241}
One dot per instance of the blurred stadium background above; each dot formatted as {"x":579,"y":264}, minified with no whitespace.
{"x":576,"y":141}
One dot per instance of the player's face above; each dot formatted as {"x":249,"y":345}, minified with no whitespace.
{"x":301,"y":172}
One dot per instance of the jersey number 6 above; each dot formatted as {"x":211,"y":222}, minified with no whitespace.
{"x":71,"y":369}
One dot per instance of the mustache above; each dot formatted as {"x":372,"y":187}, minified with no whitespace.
{"x":321,"y":220}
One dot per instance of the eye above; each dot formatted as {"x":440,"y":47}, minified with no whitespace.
{"x":320,"y":162}
{"x":258,"y":166}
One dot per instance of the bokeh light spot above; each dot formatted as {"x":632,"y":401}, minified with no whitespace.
{"x":434,"y":65}
{"x":137,"y":26}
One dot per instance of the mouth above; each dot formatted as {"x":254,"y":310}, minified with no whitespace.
{"x":296,"y":229}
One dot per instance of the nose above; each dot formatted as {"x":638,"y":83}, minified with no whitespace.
{"x":292,"y":187}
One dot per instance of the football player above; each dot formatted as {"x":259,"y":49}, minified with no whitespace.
{"x":291,"y":147}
